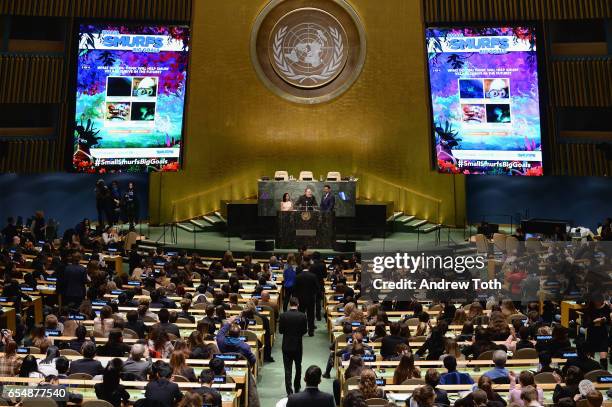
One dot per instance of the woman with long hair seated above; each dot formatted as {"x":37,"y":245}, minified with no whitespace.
{"x":406,"y":369}
{"x":368,"y":386}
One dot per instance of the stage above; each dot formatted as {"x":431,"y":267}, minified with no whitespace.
{"x":216,"y":242}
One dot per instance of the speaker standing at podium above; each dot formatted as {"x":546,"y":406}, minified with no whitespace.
{"x":328,"y":202}
{"x":307,"y":201}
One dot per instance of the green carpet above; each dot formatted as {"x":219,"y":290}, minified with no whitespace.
{"x":271,"y":384}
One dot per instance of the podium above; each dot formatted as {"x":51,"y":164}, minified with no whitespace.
{"x":314,"y":229}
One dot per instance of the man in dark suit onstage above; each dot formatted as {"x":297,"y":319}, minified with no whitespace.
{"x":293,"y":325}
{"x":328,"y":202}
{"x":312,"y":396}
{"x":305,"y":290}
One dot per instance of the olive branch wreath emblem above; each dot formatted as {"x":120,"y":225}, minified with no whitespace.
{"x":328,"y":71}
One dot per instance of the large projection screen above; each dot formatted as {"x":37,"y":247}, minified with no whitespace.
{"x":485,"y":100}
{"x":130,"y":97}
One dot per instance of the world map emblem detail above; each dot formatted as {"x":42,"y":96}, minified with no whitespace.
{"x":307,"y":48}
{"x":308,"y":51}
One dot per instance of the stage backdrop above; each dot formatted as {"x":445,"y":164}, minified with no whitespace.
{"x":237,"y":130}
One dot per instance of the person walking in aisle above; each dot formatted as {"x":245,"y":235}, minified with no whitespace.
{"x":305,"y":289}
{"x":293,"y":326}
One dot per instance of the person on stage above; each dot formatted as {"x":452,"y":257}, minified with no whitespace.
{"x":307,"y":201}
{"x":328,"y":202}
{"x":286,"y":204}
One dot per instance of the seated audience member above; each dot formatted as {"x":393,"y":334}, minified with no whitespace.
{"x":184,"y":313}
{"x":368,"y":386}
{"x":114,"y":346}
{"x":160,"y":389}
{"x":558,"y":344}
{"x":354,"y":398}
{"x":29,"y":368}
{"x":218,"y":367}
{"x":62,"y":364}
{"x":573,"y":376}
{"x":584,"y":360}
{"x":423,"y":396}
{"x":46,"y":366}
{"x":159,"y":343}
{"x":178,"y":363}
{"x":389,"y":342}
{"x":525,"y":379}
{"x":482,"y":343}
{"x":136,"y":367}
{"x":594,"y":398}
{"x":81,"y":337}
{"x":135,"y":324}
{"x":193,"y":399}
{"x":380,"y":331}
{"x":406,"y":369}
{"x":111,"y":389}
{"x":169,"y":327}
{"x":491,"y":398}
{"x":451,"y":348}
{"x":432,"y":378}
{"x":87,"y":364}
{"x":545,"y":360}
{"x":499,"y":374}
{"x":434,"y":344}
{"x":311,"y":395}
{"x":9,"y":361}
{"x":105,"y":322}
{"x":529,"y":396}
{"x":228,"y":341}
{"x":452,"y":376}
{"x":207,"y":377}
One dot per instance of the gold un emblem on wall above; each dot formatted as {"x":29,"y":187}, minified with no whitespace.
{"x":308,"y":51}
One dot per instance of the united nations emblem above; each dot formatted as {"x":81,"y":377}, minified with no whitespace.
{"x":308,"y":51}
{"x":306,"y":216}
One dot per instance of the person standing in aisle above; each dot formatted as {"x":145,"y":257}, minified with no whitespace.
{"x":293,"y":326}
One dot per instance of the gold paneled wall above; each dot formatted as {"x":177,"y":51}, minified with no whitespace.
{"x":237,"y":130}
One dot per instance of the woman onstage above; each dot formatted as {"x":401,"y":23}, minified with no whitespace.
{"x":597,"y":322}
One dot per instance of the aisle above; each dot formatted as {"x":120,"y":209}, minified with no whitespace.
{"x":271,"y":385}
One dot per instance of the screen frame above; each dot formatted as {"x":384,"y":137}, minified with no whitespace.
{"x":543,"y":96}
{"x":72,"y":64}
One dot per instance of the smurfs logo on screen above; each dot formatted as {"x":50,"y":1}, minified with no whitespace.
{"x":136,"y":43}
{"x":488,"y":44}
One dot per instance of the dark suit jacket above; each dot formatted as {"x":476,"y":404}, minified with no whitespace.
{"x":163,"y":391}
{"x":73,"y":280}
{"x":306,"y":287}
{"x":89,"y":366}
{"x":293,"y":325}
{"x":328,"y":202}
{"x":388,"y":344}
{"x":311,"y":396}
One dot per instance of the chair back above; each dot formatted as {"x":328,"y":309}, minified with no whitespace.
{"x":350,"y":382}
{"x":482,"y":245}
{"x":512,"y":245}
{"x":414,"y":381}
{"x":306,"y":176}
{"x":149,"y":318}
{"x":182,"y":320}
{"x":499,"y":241}
{"x":177,"y":378}
{"x":249,"y":335}
{"x":130,"y":334}
{"x":412,"y":322}
{"x":69,"y":352}
{"x":38,"y":402}
{"x":281,"y":175}
{"x":488,"y":355}
{"x":34,"y":350}
{"x":377,"y":402}
{"x":596,"y":374}
{"x":545,"y":377}
{"x":200,"y":305}
{"x":333,"y":176}
{"x":525,"y":353}
{"x":80,"y":376}
{"x":96,"y":403}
